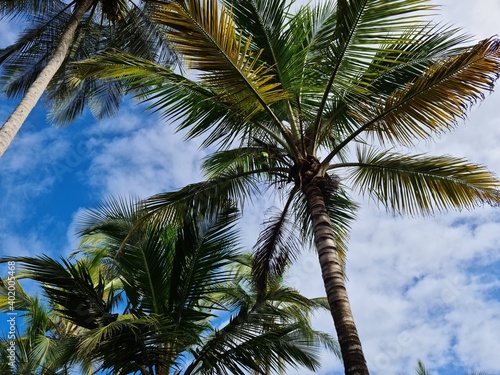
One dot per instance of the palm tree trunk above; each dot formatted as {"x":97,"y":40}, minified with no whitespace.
{"x":333,"y":277}
{"x":28,"y":102}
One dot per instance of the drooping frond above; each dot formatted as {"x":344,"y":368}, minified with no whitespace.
{"x":23,"y":60}
{"x":434,"y":101}
{"x":195,"y":106}
{"x":262,"y":334}
{"x":422,"y":184}
{"x":123,"y":345}
{"x":203,"y":197}
{"x":27,"y":8}
{"x":278,"y":245}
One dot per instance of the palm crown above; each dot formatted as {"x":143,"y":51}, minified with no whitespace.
{"x":296,"y":99}
{"x":61,"y":32}
{"x":187,"y":304}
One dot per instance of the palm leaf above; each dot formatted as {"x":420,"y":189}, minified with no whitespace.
{"x":226,"y":60}
{"x":122,"y":346}
{"x":204,"y":197}
{"x":422,"y":184}
{"x":395,"y":67}
{"x":277,"y":246}
{"x":70,"y":288}
{"x":361,"y":29}
{"x":262,"y":157}
{"x":421,"y":370}
{"x":25,"y":8}
{"x":437,"y":99}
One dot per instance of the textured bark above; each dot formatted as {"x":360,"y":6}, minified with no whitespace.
{"x":331,"y":270}
{"x":35,"y":91}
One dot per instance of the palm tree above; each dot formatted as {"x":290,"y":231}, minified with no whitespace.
{"x":46,"y":345}
{"x":297,"y":99}
{"x":60,"y":32}
{"x":186,"y":299}
{"x":421,"y":370}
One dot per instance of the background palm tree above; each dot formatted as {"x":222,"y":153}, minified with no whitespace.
{"x":421,"y":370}
{"x":296,"y":100}
{"x":47,"y":343}
{"x":58,"y":33}
{"x":186,"y":298}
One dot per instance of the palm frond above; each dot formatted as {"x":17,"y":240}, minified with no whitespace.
{"x":244,"y":344}
{"x":360,"y":30}
{"x":262,"y":157}
{"x":434,"y":101}
{"x":26,"y":8}
{"x":277,"y":246}
{"x":70,"y":288}
{"x":226,"y":59}
{"x":421,"y":370}
{"x":203,"y":252}
{"x":22,"y":61}
{"x":422,"y":184}
{"x":203,"y":197}
{"x":395,"y":67}
{"x":124,"y":345}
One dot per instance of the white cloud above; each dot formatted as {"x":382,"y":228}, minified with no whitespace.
{"x":147,"y":158}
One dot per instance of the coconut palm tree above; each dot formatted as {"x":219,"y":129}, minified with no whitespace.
{"x":59,"y":32}
{"x":186,"y":299}
{"x":421,"y":370}
{"x":314,"y":101}
{"x":47,"y":344}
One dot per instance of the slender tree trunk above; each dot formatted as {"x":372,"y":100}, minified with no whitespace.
{"x":28,"y":102}
{"x":331,"y":270}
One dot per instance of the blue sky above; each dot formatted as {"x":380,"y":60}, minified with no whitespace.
{"x":420,"y":288}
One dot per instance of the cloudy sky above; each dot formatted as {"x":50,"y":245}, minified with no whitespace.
{"x":427,"y":289}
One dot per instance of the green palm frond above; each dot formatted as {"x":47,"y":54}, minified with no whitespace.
{"x":125,"y":344}
{"x":283,"y":41}
{"x":22,"y":61}
{"x":70,"y":288}
{"x":25,"y":8}
{"x":195,"y":106}
{"x":421,"y":184}
{"x":46,"y":342}
{"x":117,"y":24}
{"x":421,"y":370}
{"x":163,"y":268}
{"x":395,"y":67}
{"x":226,"y":61}
{"x":22,"y":302}
{"x":202,"y":254}
{"x":243,"y":345}
{"x":203,"y":197}
{"x":361,"y":28}
{"x":433,"y":102}
{"x":263,"y":157}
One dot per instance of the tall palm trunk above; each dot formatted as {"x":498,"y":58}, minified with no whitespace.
{"x":28,"y":102}
{"x":333,"y":277}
